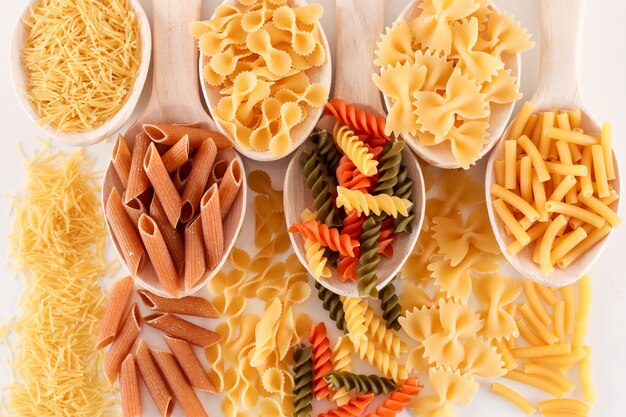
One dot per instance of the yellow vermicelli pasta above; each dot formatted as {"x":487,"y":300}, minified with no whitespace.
{"x":564,"y":203}
{"x":81,"y":59}
{"x":57,"y":243}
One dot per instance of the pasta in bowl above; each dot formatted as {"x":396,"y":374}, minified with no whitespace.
{"x":174,"y":199}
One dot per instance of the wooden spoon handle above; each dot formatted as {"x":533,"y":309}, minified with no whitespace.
{"x":359,"y":25}
{"x":561,"y":31}
{"x":175,"y":57}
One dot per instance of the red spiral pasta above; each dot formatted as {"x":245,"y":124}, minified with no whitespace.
{"x":321,"y":360}
{"x":350,"y":177}
{"x":347,"y":266}
{"x":385,"y":240}
{"x":398,"y":399}
{"x":326,"y":236}
{"x":357,"y":119}
{"x":354,"y":408}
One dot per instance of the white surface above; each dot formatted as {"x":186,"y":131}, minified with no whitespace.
{"x":603,"y":89}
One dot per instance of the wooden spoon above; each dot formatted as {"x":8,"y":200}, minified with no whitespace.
{"x":321,"y":75}
{"x":19,"y":80}
{"x":359,"y":23}
{"x":441,"y":155}
{"x":558,"y":88}
{"x":175,"y":99}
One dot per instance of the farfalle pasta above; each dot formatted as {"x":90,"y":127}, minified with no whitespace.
{"x":443,"y":72}
{"x":259,"y":56}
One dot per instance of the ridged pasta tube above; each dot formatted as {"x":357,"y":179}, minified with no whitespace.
{"x":359,"y":383}
{"x":355,"y":149}
{"x":303,"y":381}
{"x":333,"y":304}
{"x":368,"y":203}
{"x":316,"y":180}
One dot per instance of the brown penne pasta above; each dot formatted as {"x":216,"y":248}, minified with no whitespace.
{"x":121,"y":160}
{"x":159,"y":254}
{"x":124,"y":233}
{"x":229,"y":186}
{"x":182,"y":329}
{"x":183,"y":392}
{"x":173,"y":240}
{"x":198,"y":177}
{"x":188,"y":306}
{"x":218,"y":171}
{"x":180,"y":176}
{"x":177,"y":155}
{"x":135,"y":208}
{"x":190,"y":364}
{"x":212,"y":230}
{"x":138,"y":181}
{"x":154,"y":381}
{"x":122,"y":344}
{"x":162,"y":184}
{"x":171,"y":134}
{"x":116,"y":306}
{"x":129,"y":388}
{"x":195,"y":262}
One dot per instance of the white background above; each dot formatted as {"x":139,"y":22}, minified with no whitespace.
{"x":603,"y":84}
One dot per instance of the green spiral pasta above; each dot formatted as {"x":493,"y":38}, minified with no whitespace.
{"x":326,"y":150}
{"x":388,"y":167}
{"x":332,"y":303}
{"x":404,"y":189}
{"x":316,"y":180}
{"x":359,"y":383}
{"x":303,"y":381}
{"x":390,"y":304}
{"x":369,"y":258}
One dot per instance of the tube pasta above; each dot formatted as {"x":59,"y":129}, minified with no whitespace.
{"x":535,"y":381}
{"x":177,"y":155}
{"x":566,"y":405}
{"x":190,"y":364}
{"x":510,"y":156}
{"x":151,"y":376}
{"x":121,"y":160}
{"x":508,"y":394}
{"x":570,"y":136}
{"x":129,"y":388}
{"x":173,"y":240}
{"x":195,"y":262}
{"x":586,"y":378}
{"x":162,"y":184}
{"x":594,"y":237}
{"x":187,"y":306}
{"x":511,"y":222}
{"x":601,"y":209}
{"x":138,"y":181}
{"x":229,"y":186}
{"x":122,"y":344}
{"x":169,"y":134}
{"x":124,"y":233}
{"x":197,"y":180}
{"x":159,"y":255}
{"x":516,"y":201}
{"x":135,"y":208}
{"x":212,"y":227}
{"x":178,"y":328}
{"x":542,"y":351}
{"x":116,"y":306}
{"x":541,"y":329}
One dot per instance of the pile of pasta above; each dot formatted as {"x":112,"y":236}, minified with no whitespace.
{"x":259,"y":58}
{"x":174,"y":193}
{"x":444,"y":73}
{"x":81,"y":59}
{"x":373,"y":201}
{"x":554,"y":187}
{"x":169,"y":376}
{"x":57,"y":244}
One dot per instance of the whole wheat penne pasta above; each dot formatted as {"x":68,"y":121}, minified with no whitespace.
{"x":218,"y":171}
{"x":182,"y":329}
{"x":159,"y":255}
{"x":571,"y":136}
{"x":153,"y":380}
{"x":122,"y":344}
{"x":592,"y":239}
{"x":173,"y":240}
{"x":195,"y":262}
{"x":129,"y":388}
{"x":116,"y":307}
{"x":121,"y":160}
{"x":212,"y":230}
{"x":507,"y":393}
{"x":162,"y":184}
{"x":511,"y":222}
{"x":177,"y":155}
{"x":230,"y":185}
{"x":197,"y":180}
{"x":516,"y":201}
{"x":188,"y":306}
{"x":190,"y":364}
{"x":180,"y":176}
{"x":124,"y":233}
{"x":575,"y":211}
{"x":183,"y":392}
{"x":138,"y":181}
{"x":170,"y":134}
{"x":135,"y":208}
{"x":602,"y":209}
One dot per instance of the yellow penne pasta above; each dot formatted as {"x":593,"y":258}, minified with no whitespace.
{"x":568,"y":183}
{"x":525,"y":178}
{"x":159,"y":255}
{"x":546,"y":243}
{"x":538,"y":162}
{"x":153,"y":380}
{"x":600,"y":170}
{"x":535,"y":381}
{"x":521,"y":120}
{"x":559,"y":320}
{"x":187,"y":306}
{"x":212,"y":231}
{"x":601,"y":209}
{"x":116,"y":307}
{"x":542,"y":351}
{"x":195,"y":262}
{"x":567,"y":244}
{"x":189,"y":363}
{"x":229,"y":186}
{"x":516,"y":201}
{"x":122,"y":344}
{"x":179,"y":328}
{"x":173,"y":240}
{"x":607,"y":149}
{"x":571,"y":136}
{"x":594,"y":237}
{"x":534,"y":233}
{"x":124,"y":233}
{"x":535,"y":303}
{"x":164,"y":189}
{"x":177,"y":155}
{"x":197,"y":180}
{"x":510,"y":158}
{"x":165,"y":134}
{"x":564,"y":169}
{"x":129,"y":388}
{"x":507,"y":393}
{"x":121,"y":160}
{"x":540,"y":329}
{"x":509,"y":221}
{"x":576,"y":212}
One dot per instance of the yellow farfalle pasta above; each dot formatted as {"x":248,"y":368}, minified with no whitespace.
{"x":478,"y":65}
{"x":396,"y":46}
{"x":495,"y":292}
{"x":481,"y":359}
{"x":450,"y":388}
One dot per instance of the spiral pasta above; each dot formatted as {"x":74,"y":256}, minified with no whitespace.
{"x":354,"y":408}
{"x":381,"y":335}
{"x":326,"y":149}
{"x":342,"y":361}
{"x":359,"y":383}
{"x":333,"y":304}
{"x":369,"y":258}
{"x":348,"y":265}
{"x":322,"y":362}
{"x":355,"y":149}
{"x":326,"y":236}
{"x":398,"y":399}
{"x":390,"y":161}
{"x":314,"y":254}
{"x":303,"y":381}
{"x":404,"y":190}
{"x":368,"y":203}
{"x":354,"y":309}
{"x":315,"y":179}
{"x":357,"y":119}
{"x":350,"y":177}
{"x":387,"y":235}
{"x":380,"y":359}
{"x":390,"y":304}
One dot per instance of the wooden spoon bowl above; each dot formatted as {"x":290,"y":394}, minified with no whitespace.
{"x":558,"y":89}
{"x":20,"y":81}
{"x":441,"y":155}
{"x":175,"y":99}
{"x":321,"y":75}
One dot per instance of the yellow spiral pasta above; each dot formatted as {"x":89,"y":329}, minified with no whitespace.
{"x":368,"y":203}
{"x":354,"y":308}
{"x":342,"y":361}
{"x":386,"y":339}
{"x":379,"y":359}
{"x":355,"y":149}
{"x":314,"y":253}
